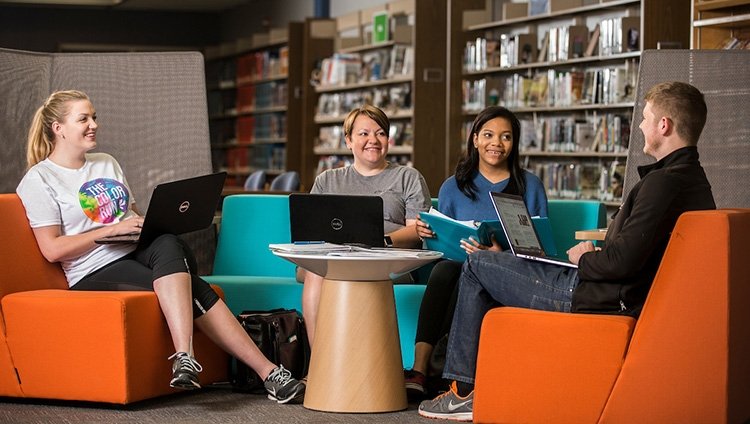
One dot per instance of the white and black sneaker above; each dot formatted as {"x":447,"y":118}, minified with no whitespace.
{"x":185,"y":371}
{"x":282,"y":387}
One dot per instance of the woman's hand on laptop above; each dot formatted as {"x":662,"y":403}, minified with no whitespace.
{"x":128,"y":226}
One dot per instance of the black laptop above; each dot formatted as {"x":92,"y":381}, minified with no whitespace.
{"x":177,"y":207}
{"x":517,"y":224}
{"x":336,"y":218}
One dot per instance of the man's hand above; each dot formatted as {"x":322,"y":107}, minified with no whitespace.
{"x":575,"y":252}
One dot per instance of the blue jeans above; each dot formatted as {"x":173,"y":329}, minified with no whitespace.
{"x":491,"y":279}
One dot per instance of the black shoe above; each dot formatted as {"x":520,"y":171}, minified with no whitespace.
{"x":282,"y":387}
{"x":185,"y":371}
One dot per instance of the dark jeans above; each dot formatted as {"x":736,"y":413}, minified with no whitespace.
{"x":491,"y":279}
{"x":137,"y":271}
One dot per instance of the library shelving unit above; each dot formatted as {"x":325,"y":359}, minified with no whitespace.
{"x":568,"y":69}
{"x":254,"y":116}
{"x":720,"y":24}
{"x":398,"y":69}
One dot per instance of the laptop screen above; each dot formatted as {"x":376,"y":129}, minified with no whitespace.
{"x":516,"y":222}
{"x":336,"y":218}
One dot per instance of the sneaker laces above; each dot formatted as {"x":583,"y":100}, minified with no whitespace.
{"x":187,"y":361}
{"x":280,"y":375}
{"x":453,"y":389}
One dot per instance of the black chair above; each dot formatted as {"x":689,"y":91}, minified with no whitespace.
{"x":287,"y":181}
{"x":256,"y":181}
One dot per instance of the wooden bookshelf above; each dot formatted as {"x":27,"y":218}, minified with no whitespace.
{"x":714,"y":22}
{"x":425,"y":36}
{"x":483,"y":19}
{"x":254,"y":118}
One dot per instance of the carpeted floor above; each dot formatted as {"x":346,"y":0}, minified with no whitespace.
{"x":212,"y":405}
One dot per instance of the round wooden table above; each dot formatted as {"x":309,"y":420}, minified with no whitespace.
{"x":356,"y":356}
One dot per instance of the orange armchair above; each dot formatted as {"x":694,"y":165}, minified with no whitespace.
{"x":57,"y":343}
{"x":684,"y":361}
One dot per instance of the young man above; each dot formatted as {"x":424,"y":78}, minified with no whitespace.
{"x":614,"y":279}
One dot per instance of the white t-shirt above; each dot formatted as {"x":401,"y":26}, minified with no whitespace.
{"x":79,"y":200}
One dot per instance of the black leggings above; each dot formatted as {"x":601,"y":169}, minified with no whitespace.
{"x":439,"y":302}
{"x":137,"y":271}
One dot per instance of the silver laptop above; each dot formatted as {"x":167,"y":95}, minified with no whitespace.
{"x":177,"y":207}
{"x":516,"y":222}
{"x":336,"y":218}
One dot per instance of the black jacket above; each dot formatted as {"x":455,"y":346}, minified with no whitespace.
{"x":617,"y":278}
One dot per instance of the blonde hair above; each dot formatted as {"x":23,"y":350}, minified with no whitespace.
{"x":54,"y":109}
{"x":371,"y":112}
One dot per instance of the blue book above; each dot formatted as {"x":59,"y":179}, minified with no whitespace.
{"x":449,"y":232}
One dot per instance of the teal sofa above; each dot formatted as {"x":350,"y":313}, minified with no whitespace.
{"x":254,"y":279}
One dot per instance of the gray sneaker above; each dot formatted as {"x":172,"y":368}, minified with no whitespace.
{"x":282,"y":387}
{"x":185,"y":371}
{"x":449,"y":406}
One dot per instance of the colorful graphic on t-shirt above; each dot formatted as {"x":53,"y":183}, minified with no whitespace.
{"x":104,"y":200}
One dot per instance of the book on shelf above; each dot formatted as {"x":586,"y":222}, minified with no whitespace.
{"x":530,"y":139}
{"x":380,"y":27}
{"x":593,"y":42}
{"x":543,"y":49}
{"x":538,"y":7}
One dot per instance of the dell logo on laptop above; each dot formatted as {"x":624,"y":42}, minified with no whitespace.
{"x":337,"y":224}
{"x":184,"y":206}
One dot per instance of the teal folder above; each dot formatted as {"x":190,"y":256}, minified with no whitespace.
{"x":449,"y":232}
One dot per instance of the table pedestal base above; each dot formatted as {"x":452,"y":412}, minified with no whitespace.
{"x":356,"y":358}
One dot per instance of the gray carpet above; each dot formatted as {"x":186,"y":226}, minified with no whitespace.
{"x":207,"y":406}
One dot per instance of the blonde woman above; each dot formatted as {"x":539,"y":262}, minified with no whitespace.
{"x":74,"y":197}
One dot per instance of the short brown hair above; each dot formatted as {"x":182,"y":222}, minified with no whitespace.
{"x":683,"y":104}
{"x":371,"y":112}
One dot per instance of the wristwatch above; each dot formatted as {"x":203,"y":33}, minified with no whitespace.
{"x":388,"y":241}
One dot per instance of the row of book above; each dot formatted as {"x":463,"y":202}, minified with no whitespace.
{"x":337,"y":161}
{"x":560,"y":43}
{"x":260,"y":96}
{"x":734,"y":43}
{"x":593,"y":86}
{"x":332,"y":136}
{"x":593,"y":133}
{"x":263,"y":127}
{"x":581,"y":180}
{"x":391,"y":98}
{"x":263,"y":64}
{"x":373,"y":65}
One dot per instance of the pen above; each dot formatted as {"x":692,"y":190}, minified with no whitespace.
{"x":309,"y":242}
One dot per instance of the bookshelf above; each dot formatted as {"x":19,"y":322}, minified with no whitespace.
{"x":568,"y":69}
{"x":403,"y":75}
{"x":720,"y":24}
{"x":254,"y":115}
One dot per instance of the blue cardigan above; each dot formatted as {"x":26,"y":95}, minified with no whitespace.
{"x":454,"y":203}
